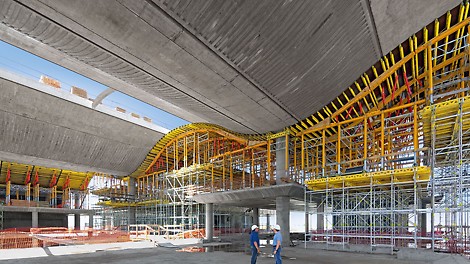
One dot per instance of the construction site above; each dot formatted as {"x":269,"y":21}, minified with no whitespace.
{"x":371,"y":156}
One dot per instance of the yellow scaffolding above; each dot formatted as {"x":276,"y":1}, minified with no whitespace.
{"x":398,"y":176}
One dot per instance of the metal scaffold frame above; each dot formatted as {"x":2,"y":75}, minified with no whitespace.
{"x":385,"y":163}
{"x":450,"y":138}
{"x":427,"y":206}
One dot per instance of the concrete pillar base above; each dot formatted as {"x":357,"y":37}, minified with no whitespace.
{"x":283,"y":218}
{"x":90,"y":221}
{"x":209,"y":222}
{"x":77,"y":221}
{"x":320,"y":217}
{"x":256,"y":216}
{"x":34,"y":219}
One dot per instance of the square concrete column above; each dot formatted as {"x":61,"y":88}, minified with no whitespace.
{"x":132,"y":197}
{"x":283,"y":218}
{"x":281,"y":171}
{"x":77,"y":200}
{"x":256,"y":216}
{"x":34,"y":219}
{"x":320,"y":217}
{"x":77,"y":221}
{"x":268,"y":224}
{"x":90,"y":220}
{"x":209,"y":222}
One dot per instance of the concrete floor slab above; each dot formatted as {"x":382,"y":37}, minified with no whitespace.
{"x":170,"y":255}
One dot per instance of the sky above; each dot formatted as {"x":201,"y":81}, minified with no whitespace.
{"x":31,"y":66}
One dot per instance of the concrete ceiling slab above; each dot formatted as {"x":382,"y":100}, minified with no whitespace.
{"x":397,"y":20}
{"x":40,"y":129}
{"x":250,"y":66}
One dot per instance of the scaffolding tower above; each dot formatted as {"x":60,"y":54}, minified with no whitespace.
{"x":450,"y":141}
{"x":385,"y":163}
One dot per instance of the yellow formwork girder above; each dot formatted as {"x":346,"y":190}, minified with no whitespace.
{"x":398,"y":176}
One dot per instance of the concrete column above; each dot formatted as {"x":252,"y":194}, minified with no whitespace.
{"x":34,"y":219}
{"x":256,"y":216}
{"x":423,"y":220}
{"x":209,"y":222}
{"x":320,"y":217}
{"x":65,"y":221}
{"x":77,"y":221}
{"x":283,"y":218}
{"x":280,"y":160}
{"x":77,"y":200}
{"x":132,"y":197}
{"x":90,"y":220}
{"x":268,"y":222}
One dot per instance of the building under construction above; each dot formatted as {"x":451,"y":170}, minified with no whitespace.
{"x":383,"y":166}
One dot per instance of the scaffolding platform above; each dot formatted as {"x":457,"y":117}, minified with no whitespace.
{"x":445,"y":118}
{"x":398,"y":176}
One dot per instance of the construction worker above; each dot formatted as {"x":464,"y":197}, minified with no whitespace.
{"x":254,"y":243}
{"x":277,"y":241}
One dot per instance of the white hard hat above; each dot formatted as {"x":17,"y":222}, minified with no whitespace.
{"x":277,"y":227}
{"x":253,"y":227}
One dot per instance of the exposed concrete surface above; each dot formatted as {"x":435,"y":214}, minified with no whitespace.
{"x":112,"y":254}
{"x":261,"y":197}
{"x":283,"y":218}
{"x":251,"y":66}
{"x":34,"y":254}
{"x":42,"y":129}
{"x":397,"y":20}
{"x":209,"y":222}
{"x":19,"y":217}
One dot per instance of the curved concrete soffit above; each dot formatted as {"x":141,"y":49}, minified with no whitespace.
{"x":339,"y":108}
{"x":179,"y":132}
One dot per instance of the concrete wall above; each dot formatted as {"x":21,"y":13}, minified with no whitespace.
{"x":16,"y":219}
{"x":24,"y":220}
{"x":41,"y":129}
{"x":54,"y":220}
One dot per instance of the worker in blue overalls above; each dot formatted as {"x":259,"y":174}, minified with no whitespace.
{"x":277,"y":241}
{"x":254,"y":243}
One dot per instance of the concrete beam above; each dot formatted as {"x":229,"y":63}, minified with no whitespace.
{"x":262,"y":197}
{"x":45,"y":210}
{"x":101,"y":96}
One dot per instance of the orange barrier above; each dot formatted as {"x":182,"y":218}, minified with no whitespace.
{"x":53,"y":236}
{"x":197,"y":233}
